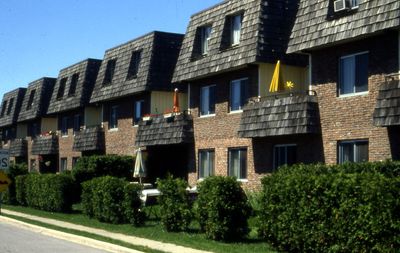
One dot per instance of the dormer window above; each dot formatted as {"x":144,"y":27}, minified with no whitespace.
{"x":3,"y":108}
{"x":134,"y":65}
{"x":72,"y":85}
{"x":205,"y":39}
{"x":10,"y":106}
{"x":232,"y":31}
{"x":30,"y":100}
{"x":108,"y":76}
{"x":236,"y":27}
{"x":61,"y":89}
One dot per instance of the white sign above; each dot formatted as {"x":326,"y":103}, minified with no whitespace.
{"x":4,"y":159}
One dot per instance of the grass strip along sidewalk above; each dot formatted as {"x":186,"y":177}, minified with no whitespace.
{"x":152,"y":230}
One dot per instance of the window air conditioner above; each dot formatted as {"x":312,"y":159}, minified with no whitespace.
{"x":341,"y":5}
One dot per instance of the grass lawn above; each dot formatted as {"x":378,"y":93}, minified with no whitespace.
{"x":153,"y":230}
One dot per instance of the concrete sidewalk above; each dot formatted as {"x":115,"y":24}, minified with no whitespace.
{"x":166,"y":247}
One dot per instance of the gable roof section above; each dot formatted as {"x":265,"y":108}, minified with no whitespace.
{"x":41,"y":91}
{"x":63,"y":101}
{"x":158,"y":55}
{"x":265,"y":31}
{"x":315,"y":26}
{"x":10,"y":115}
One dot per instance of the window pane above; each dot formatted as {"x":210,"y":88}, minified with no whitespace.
{"x":236,"y":27}
{"x":211,"y":157}
{"x":346,"y":152}
{"x":206,"y":163}
{"x":234,"y":163}
{"x":204,"y":97}
{"x":243,"y":164}
{"x":361,"y":152}
{"x":361,"y":82}
{"x":212,"y":100}
{"x":347,"y":75}
{"x":205,"y":38}
{"x":235,"y":95}
{"x":291,"y":155}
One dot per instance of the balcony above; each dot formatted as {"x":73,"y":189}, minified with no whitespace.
{"x":89,"y":139}
{"x":387,"y":108}
{"x":18,"y":148}
{"x":281,"y":114}
{"x":176,"y":128}
{"x":45,"y":145}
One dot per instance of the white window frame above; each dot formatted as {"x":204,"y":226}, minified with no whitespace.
{"x":236,"y":29}
{"x":115,"y":125}
{"x":354,"y":93}
{"x":205,"y":38}
{"x":353,"y":142}
{"x":240,"y":109}
{"x":275,"y":165}
{"x":210,"y":164}
{"x":354,"y":4}
{"x":240,"y":150}
{"x":64,"y":126}
{"x":202,"y":97}
{"x":63,"y":164}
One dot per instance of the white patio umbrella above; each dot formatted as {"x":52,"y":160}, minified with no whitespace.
{"x":140,"y":169}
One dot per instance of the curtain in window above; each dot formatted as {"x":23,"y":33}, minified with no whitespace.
{"x":236,"y":27}
{"x":205,"y":37}
{"x":206,"y":163}
{"x":361,"y":152}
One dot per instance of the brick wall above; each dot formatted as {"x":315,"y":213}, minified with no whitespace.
{"x":349,"y":118}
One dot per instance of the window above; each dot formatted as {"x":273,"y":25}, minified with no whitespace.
{"x":30,"y":100}
{"x":134,"y":65}
{"x":63,"y":164}
{"x":353,"y":151}
{"x":353,"y":71}
{"x":61,"y":89}
{"x":284,"y":155}
{"x":74,"y":161}
{"x":33,"y":129}
{"x":139,"y":111}
{"x":108,"y":76}
{"x":206,"y":163}
{"x":77,"y":123}
{"x":10,"y":106}
{"x":64,"y":126}
{"x":205,"y":38}
{"x":3,"y":108}
{"x":238,"y":163}
{"x":236,"y":26}
{"x":238,"y":94}
{"x":354,"y":3}
{"x":113,"y":117}
{"x":207,"y":100}
{"x":72,"y":85}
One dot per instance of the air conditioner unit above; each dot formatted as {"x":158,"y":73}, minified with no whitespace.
{"x":341,"y":5}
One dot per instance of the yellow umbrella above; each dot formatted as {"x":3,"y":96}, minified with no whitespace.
{"x":277,"y":81}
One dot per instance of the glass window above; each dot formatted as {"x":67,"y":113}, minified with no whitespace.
{"x":108,"y":76}
{"x":354,"y":3}
{"x":353,"y":73}
{"x":64,"y":126}
{"x":236,"y":26}
{"x":77,"y":123}
{"x":61,"y":88}
{"x":139,"y":111}
{"x":238,"y":163}
{"x":113,"y":117}
{"x":205,"y":38}
{"x":353,"y":151}
{"x":285,"y":155}
{"x":238,"y":94}
{"x":30,"y":100}
{"x":10,"y":106}
{"x":72,"y":86}
{"x":33,"y":129}
{"x":63,"y":164}
{"x":206,"y":163}
{"x":134,"y":65}
{"x":207,"y":100}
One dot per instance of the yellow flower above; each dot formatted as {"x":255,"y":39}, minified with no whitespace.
{"x":290,"y":84}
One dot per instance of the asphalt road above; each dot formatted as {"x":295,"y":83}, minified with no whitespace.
{"x":18,"y":240}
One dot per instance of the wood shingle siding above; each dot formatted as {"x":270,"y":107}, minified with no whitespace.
{"x":9,"y":115}
{"x":158,"y":54}
{"x":18,"y":148}
{"x":45,"y":145}
{"x":41,"y":90}
{"x":90,"y":139}
{"x":387,"y":108}
{"x":296,"y":114}
{"x":317,"y":25}
{"x":265,"y":30}
{"x":177,"y":129}
{"x":87,"y":71}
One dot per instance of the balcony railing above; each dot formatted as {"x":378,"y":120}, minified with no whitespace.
{"x":45,"y":145}
{"x":89,"y":139}
{"x":18,"y":148}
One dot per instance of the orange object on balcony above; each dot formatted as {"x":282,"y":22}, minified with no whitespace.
{"x":176,"y":101}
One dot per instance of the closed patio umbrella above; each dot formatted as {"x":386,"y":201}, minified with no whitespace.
{"x":176,"y":101}
{"x":140,"y":169}
{"x":276,"y":82}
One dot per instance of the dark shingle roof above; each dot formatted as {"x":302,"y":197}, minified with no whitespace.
{"x":297,"y":114}
{"x":265,"y":32}
{"x":18,"y":148}
{"x":41,"y":91}
{"x":387,"y":108}
{"x":45,"y":145}
{"x":87,"y":71}
{"x":165,"y":131}
{"x":317,"y":26}
{"x":10,"y":115}
{"x":89,"y":139}
{"x":158,"y":54}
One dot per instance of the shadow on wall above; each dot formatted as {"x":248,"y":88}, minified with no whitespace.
{"x":394,"y":140}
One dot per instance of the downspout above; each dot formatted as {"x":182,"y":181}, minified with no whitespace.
{"x":189,"y":111}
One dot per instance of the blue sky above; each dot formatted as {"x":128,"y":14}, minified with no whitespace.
{"x":40,"y":37}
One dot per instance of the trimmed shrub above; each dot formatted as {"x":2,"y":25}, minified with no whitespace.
{"x":174,"y":203}
{"x":13,"y":171}
{"x":88,"y":167}
{"x":222,"y":208}
{"x":133,"y":205}
{"x":341,"y":208}
{"x":49,"y":192}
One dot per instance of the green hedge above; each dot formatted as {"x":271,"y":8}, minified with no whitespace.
{"x":346,"y":208}
{"x":49,"y":192}
{"x":175,"y":204}
{"x":88,"y":167}
{"x":13,"y":171}
{"x":222,"y":209}
{"x":112,"y":200}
